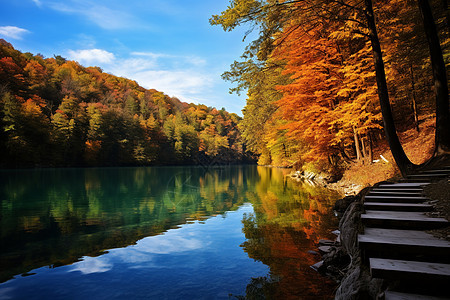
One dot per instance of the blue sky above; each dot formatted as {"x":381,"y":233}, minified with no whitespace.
{"x":167,"y":45}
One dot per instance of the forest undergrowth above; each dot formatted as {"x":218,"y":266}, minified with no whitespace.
{"x":419,"y":147}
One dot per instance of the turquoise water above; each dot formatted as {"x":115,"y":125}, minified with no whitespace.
{"x":161,"y":233}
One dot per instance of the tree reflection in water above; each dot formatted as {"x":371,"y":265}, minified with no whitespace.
{"x":289,"y":220}
{"x":58,"y":216}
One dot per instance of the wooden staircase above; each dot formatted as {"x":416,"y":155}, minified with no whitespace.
{"x":401,"y":220}
{"x":415,"y":264}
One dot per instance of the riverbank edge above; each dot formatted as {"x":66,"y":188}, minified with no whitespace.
{"x":343,"y":262}
{"x":343,"y":187}
{"x":354,"y":278}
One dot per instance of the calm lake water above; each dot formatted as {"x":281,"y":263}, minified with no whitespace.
{"x":161,"y":233}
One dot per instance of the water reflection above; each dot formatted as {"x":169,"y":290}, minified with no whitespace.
{"x":54,"y":217}
{"x":101,"y":227}
{"x":288,"y":221}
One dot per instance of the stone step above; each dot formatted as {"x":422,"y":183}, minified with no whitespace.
{"x":401,"y":220}
{"x":392,"y":295}
{"x":402,"y":244}
{"x":415,"y":271}
{"x":397,"y":206}
{"x":396,"y":199}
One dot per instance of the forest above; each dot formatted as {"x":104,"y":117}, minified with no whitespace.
{"x":313,"y":83}
{"x":56,"y":113}
{"x":314,"y":95}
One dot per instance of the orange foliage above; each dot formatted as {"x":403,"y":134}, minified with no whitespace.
{"x":313,"y":60}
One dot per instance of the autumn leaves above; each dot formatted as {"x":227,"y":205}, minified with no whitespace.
{"x":312,"y":83}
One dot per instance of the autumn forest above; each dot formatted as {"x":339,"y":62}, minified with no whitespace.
{"x":127,"y":190}
{"x":316,"y":77}
{"x":310,"y":78}
{"x":55,"y":112}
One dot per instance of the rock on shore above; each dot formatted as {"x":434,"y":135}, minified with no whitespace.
{"x":343,"y":263}
{"x":343,"y":187}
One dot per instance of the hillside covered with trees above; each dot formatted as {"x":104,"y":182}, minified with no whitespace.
{"x":314,"y":76}
{"x":55,"y":112}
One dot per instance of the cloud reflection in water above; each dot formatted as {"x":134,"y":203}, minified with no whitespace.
{"x":91,"y":265}
{"x":143,"y":253}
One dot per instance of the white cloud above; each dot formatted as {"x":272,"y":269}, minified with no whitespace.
{"x":196,"y":61}
{"x":104,"y":16}
{"x":92,"y":265}
{"x":13,"y":32}
{"x":184,"y":77}
{"x":37,"y":2}
{"x":132,"y":66}
{"x":184,"y":84}
{"x":175,"y":60}
{"x":151,"y":54}
{"x":91,"y":56}
{"x":86,"y":41}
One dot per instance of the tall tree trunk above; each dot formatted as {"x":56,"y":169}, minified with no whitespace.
{"x":358,"y":150}
{"x":414,"y":103}
{"x":403,"y":162}
{"x":363,"y":147}
{"x":440,"y":80}
{"x":369,"y":141}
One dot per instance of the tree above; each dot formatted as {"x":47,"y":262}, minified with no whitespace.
{"x":440,"y":80}
{"x":313,"y":61}
{"x":71,"y":127}
{"x":55,"y":112}
{"x":402,"y":160}
{"x":357,"y":18}
{"x":11,"y":75}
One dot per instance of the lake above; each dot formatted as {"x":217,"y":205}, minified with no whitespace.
{"x":161,"y":233}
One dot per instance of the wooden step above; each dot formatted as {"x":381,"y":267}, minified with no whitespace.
{"x":417,"y":191}
{"x":398,"y":245}
{"x":400,"y":185}
{"x":398,"y":206}
{"x":417,"y":180}
{"x":392,"y":295}
{"x":401,"y":220}
{"x":409,"y":270}
{"x":396,"y":199}
{"x":403,"y":185}
{"x":426,"y":175}
{"x":395,"y":193}
{"x":446,"y":171}
{"x":414,"y":234}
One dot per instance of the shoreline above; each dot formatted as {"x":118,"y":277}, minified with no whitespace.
{"x":341,"y":259}
{"x":343,"y":187}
